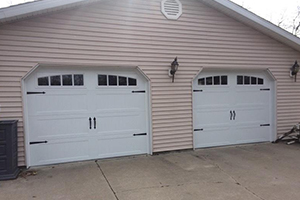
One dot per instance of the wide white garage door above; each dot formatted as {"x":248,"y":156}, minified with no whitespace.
{"x":232,"y":108}
{"x":83,"y":114}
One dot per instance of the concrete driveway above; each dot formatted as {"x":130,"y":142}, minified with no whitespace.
{"x":250,"y":172}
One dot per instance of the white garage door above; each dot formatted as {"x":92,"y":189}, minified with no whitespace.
{"x":232,"y":108}
{"x":85,"y":114}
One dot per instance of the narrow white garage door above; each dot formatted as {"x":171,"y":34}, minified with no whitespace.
{"x":232,"y":108}
{"x":85,"y":114}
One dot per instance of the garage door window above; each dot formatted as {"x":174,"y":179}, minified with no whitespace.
{"x":249,"y":80}
{"x":113,"y":80}
{"x":67,"y":80}
{"x":43,"y":81}
{"x":132,"y":81}
{"x":62,"y":80}
{"x":122,"y":81}
{"x":55,"y":80}
{"x":78,"y":80}
{"x":213,"y":80}
{"x":102,"y":80}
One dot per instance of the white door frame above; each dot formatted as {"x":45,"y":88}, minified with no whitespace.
{"x":25,"y":110}
{"x":273,"y":97}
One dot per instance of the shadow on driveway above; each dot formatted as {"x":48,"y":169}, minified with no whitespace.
{"x":248,"y":172}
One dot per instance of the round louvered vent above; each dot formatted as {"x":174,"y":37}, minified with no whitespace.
{"x":172,"y":9}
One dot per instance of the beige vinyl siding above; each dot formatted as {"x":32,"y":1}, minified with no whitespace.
{"x":135,"y":33}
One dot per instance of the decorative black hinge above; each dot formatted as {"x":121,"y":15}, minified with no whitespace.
{"x":39,"y":142}
{"x":139,"y":134}
{"x":197,"y":90}
{"x":265,"y":89}
{"x":265,"y":125}
{"x":141,"y":91}
{"x":199,"y":129}
{"x":36,"y":92}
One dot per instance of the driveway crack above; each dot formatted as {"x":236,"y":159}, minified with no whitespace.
{"x":234,"y":179}
{"x":115,"y":194}
{"x":237,"y":182}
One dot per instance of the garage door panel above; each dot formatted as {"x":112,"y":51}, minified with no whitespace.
{"x":212,"y":138}
{"x":87,"y":121}
{"x":125,"y":146}
{"x":59,"y":151}
{"x":123,"y":123}
{"x":252,"y":134}
{"x":119,"y":101}
{"x":251,"y":97}
{"x":55,"y":104}
{"x":129,"y":133}
{"x":213,"y":98}
{"x":213,"y":118}
{"x":118,"y":112}
{"x":258,"y":114}
{"x":55,"y":125}
{"x":241,"y":107}
{"x":211,"y":111}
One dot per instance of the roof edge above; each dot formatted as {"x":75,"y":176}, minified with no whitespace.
{"x":36,"y":7}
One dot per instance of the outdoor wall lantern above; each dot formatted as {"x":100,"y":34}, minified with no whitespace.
{"x":294,"y":70}
{"x":174,"y":68}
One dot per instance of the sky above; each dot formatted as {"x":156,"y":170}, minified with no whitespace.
{"x":272,"y":10}
{"x":6,"y":3}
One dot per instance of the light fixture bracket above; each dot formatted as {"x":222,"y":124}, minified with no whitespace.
{"x":294,"y":70}
{"x":174,"y":68}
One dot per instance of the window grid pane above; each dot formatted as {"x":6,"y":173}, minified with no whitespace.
{"x":260,"y":81}
{"x":112,"y":80}
{"x":216,"y":80}
{"x":43,"y":81}
{"x":224,"y":80}
{"x":201,"y":81}
{"x":67,"y":80}
{"x":247,"y":80}
{"x":55,"y":81}
{"x":209,"y":81}
{"x":122,"y":81}
{"x":131,"y":81}
{"x":253,"y":80}
{"x":240,"y":80}
{"x":102,"y":80}
{"x":78,"y":80}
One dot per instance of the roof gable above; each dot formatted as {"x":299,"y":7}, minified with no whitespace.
{"x":225,"y":6}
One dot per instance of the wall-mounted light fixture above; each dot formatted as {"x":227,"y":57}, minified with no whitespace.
{"x":174,"y":68}
{"x":294,"y":70}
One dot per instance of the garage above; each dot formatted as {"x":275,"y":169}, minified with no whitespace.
{"x":83,"y":113}
{"x":233,"y":107}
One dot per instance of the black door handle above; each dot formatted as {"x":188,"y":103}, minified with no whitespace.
{"x":234,"y":115}
{"x":95,"y":122}
{"x":230,"y":115}
{"x":90,"y":120}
